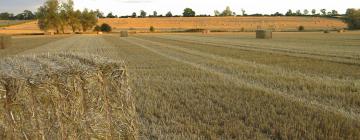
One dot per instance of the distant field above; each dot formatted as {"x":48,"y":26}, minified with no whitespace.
{"x":212,"y":23}
{"x":302,"y":85}
{"x":227,"y":23}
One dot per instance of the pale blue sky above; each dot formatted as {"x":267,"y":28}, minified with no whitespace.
{"x":126,"y":7}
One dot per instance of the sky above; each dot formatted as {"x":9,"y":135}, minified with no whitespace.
{"x":126,"y":7}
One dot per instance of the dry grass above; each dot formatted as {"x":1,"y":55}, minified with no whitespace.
{"x":5,"y":41}
{"x":234,"y":86}
{"x":65,"y":96}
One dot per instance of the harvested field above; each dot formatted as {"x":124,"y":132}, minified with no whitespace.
{"x":65,"y":96}
{"x":212,"y":23}
{"x":298,"y":85}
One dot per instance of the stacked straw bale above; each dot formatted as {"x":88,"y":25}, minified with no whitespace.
{"x":5,"y":41}
{"x":264,"y":34}
{"x":65,"y":96}
{"x":124,"y":34}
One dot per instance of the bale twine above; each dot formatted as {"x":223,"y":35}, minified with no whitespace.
{"x":5,"y":41}
{"x":206,"y":31}
{"x":124,"y":34}
{"x":264,"y":34}
{"x":65,"y":96}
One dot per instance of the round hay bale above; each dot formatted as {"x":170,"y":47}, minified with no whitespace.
{"x":99,"y":33}
{"x":124,"y":34}
{"x":264,"y":34}
{"x":326,"y":32}
{"x":65,"y":96}
{"x":5,"y":41}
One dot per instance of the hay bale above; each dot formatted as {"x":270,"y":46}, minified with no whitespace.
{"x":124,"y":34}
{"x":99,"y":33}
{"x":341,"y":31}
{"x":206,"y":31}
{"x":5,"y":41}
{"x":326,"y":32}
{"x":65,"y":96}
{"x":264,"y":34}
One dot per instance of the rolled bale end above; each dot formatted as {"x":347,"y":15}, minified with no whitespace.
{"x":124,"y":34}
{"x":5,"y":41}
{"x":63,"y":96}
{"x":263,"y":34}
{"x":205,"y":32}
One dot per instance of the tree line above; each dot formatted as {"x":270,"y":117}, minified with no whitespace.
{"x":59,"y":16}
{"x":53,"y":15}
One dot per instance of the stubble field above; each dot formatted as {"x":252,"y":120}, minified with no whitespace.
{"x":231,"y":85}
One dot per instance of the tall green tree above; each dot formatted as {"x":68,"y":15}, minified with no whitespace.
{"x":48,"y":16}
{"x":188,"y":12}
{"x":227,"y":12}
{"x":143,"y":13}
{"x":88,"y":19}
{"x":353,"y":18}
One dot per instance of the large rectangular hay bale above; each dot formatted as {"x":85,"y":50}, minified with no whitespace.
{"x":263,"y":34}
{"x":124,"y":34}
{"x":5,"y":41}
{"x":65,"y":96}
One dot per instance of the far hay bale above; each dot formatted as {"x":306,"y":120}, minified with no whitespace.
{"x":5,"y":41}
{"x":341,"y":31}
{"x":206,"y":32}
{"x":65,"y":96}
{"x":124,"y":34}
{"x":326,"y":32}
{"x":263,"y":34}
{"x":99,"y":33}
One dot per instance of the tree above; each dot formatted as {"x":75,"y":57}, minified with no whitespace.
{"x":73,"y":17}
{"x":323,"y":12}
{"x":105,"y":27}
{"x":88,"y":19}
{"x":188,"y":12}
{"x":64,"y":20}
{"x":334,"y":13}
{"x":289,"y":13}
{"x":227,"y":12}
{"x":5,"y":16}
{"x":99,"y":14}
{"x":217,"y":13}
{"x":48,"y":16}
{"x":142,"y":13}
{"x":313,"y":11}
{"x":243,"y":12}
{"x":169,"y":14}
{"x":155,"y":14}
{"x":298,"y":13}
{"x":277,"y":14}
{"x":353,"y":18}
{"x":133,"y":15}
{"x":306,"y":12}
{"x":110,"y":15}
